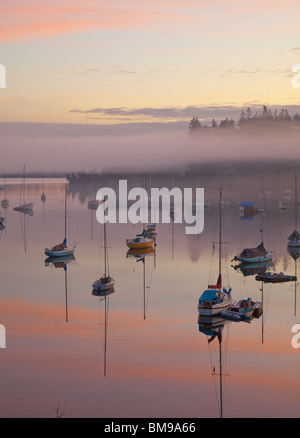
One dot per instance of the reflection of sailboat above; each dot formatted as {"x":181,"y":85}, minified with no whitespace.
{"x":24,"y":207}
{"x":140,"y":256}
{"x":5,"y":201}
{"x":62,"y":249}
{"x":92,"y":205}
{"x":104,"y":296}
{"x":248,"y":269}
{"x":62,"y":262}
{"x":295,"y":253}
{"x":216,"y":298}
{"x":294,"y":238}
{"x":106,"y":281}
{"x":213,"y":328}
{"x":258,"y":254}
{"x":43,"y":196}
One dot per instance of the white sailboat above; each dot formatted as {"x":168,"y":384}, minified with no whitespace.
{"x":294,"y":239}
{"x":215,"y":298}
{"x":62,"y":249}
{"x":105,"y":282}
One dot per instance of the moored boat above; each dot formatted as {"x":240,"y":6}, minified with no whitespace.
{"x":294,"y":239}
{"x":273,"y":277}
{"x":215,"y":298}
{"x":139,"y":242}
{"x":62,"y":249}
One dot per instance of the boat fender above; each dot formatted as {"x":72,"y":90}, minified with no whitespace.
{"x":207,"y":304}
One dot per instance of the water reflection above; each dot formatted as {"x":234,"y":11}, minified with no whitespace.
{"x":62,"y":263}
{"x":104,"y":296}
{"x":294,"y":252}
{"x":149,"y":356}
{"x":141,"y":255}
{"x":212,"y":327}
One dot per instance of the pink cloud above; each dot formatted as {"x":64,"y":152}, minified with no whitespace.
{"x":34,"y":19}
{"x":46,"y":20}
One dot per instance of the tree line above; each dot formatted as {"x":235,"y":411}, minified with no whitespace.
{"x":264,"y":118}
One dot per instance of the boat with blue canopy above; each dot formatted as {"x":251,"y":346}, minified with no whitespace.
{"x":215,"y":298}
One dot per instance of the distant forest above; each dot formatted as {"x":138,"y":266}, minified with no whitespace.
{"x":262,"y":120}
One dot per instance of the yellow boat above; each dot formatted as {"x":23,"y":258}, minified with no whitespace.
{"x":139,"y":252}
{"x":139,"y":242}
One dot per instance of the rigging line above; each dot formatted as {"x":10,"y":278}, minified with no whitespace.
{"x":148,"y":287}
{"x":211,"y":262}
{"x":214,"y":377}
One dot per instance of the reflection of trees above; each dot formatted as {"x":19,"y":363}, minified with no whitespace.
{"x":194,"y":248}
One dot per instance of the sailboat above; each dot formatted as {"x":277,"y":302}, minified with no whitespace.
{"x":62,"y":249}
{"x":258,"y":254}
{"x":24,"y":207}
{"x":215,"y":298}
{"x":140,"y":242}
{"x":106,"y":281}
{"x":294,"y":239}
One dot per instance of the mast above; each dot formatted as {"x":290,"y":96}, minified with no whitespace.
{"x":296,"y":218}
{"x":295,"y":308}
{"x":221,"y":381}
{"x":144,"y":286}
{"x":105,"y":333}
{"x":220,"y":235}
{"x":66,"y":291}
{"x":66,"y":212}
{"x":104,"y":242}
{"x":262,"y":316}
{"x":262,"y":210}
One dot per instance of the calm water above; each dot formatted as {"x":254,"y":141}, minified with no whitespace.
{"x":140,"y":352}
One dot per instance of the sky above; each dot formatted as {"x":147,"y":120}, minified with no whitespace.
{"x":121,"y":65}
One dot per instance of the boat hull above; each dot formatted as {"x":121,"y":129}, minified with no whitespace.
{"x":63,"y":253}
{"x":293,"y":243}
{"x":258,"y":259}
{"x":139,"y":245}
{"x":103,"y":287}
{"x":214,"y":310}
{"x":275,"y":278}
{"x":103,"y":284}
